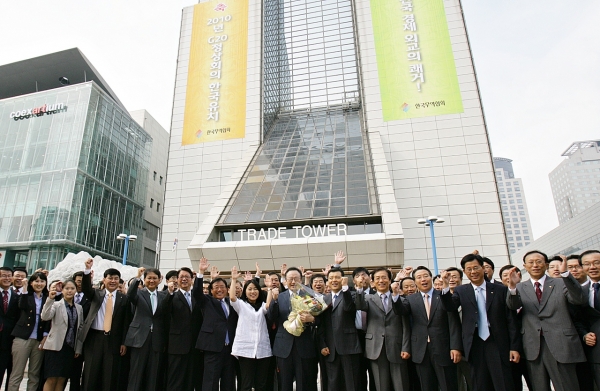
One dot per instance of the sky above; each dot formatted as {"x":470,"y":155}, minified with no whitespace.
{"x":537,"y":64}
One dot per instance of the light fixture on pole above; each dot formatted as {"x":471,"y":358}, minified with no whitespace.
{"x":430,"y":222}
{"x":127,"y":239}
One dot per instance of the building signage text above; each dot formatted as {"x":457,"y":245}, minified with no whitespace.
{"x":38,"y":111}
{"x":297,"y":231}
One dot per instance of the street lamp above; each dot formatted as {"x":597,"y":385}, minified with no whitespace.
{"x":430,"y":222}
{"x":127,"y":239}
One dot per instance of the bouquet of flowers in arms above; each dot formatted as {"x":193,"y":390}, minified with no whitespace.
{"x":305,"y":301}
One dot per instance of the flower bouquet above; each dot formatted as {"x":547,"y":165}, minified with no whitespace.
{"x":303,"y":303}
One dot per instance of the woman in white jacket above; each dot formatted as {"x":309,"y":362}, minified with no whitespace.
{"x":66,"y":317}
{"x":251,"y":344}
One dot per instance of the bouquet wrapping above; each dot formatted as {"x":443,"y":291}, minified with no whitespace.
{"x":303,"y":302}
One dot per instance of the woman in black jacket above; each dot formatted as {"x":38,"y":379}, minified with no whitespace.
{"x":29,"y":333}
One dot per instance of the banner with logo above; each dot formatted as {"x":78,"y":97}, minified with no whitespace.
{"x":417,"y":74}
{"x":215,"y":104}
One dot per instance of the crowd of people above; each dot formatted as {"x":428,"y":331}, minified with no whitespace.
{"x":376,"y":330}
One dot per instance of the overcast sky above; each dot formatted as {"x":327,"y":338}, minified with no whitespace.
{"x":537,"y":62}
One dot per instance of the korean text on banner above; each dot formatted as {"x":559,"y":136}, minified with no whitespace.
{"x":417,"y":74}
{"x":215,"y":104}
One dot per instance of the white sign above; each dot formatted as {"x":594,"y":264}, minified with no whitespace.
{"x":37,"y":111}
{"x":297,"y":231}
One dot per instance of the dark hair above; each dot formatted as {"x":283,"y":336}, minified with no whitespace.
{"x":262,"y":295}
{"x":274,"y":274}
{"x":588,"y":252}
{"x":573,"y":256}
{"x":77,"y":274}
{"x":556,"y":258}
{"x":171,"y":273}
{"x":21,"y":269}
{"x":421,"y":268}
{"x":455,"y":269}
{"x":404,"y":279}
{"x":187,"y":270}
{"x":470,"y":258}
{"x":489,"y":262}
{"x":6,"y":269}
{"x":436,"y":277}
{"x":379,"y":269}
{"x":152,"y":270}
{"x":528,"y":253}
{"x":315,"y":276}
{"x":334,"y":270}
{"x":68,"y":280}
{"x":34,"y":277}
{"x":218,"y":279}
{"x":359,"y":269}
{"x":112,"y":272}
{"x":292,"y":269}
{"x":505,"y":267}
{"x":121,"y":281}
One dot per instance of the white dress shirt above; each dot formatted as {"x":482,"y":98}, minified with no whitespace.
{"x":98,"y":323}
{"x":252,"y":335}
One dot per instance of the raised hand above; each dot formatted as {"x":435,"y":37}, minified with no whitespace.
{"x":258,"y":271}
{"x":396,"y":288}
{"x":247,"y":276}
{"x":140,"y":272}
{"x":203,"y":265}
{"x":307,"y":276}
{"x":326,"y":270}
{"x":52,"y":292}
{"x":89,"y":263}
{"x":171,"y":286}
{"x":401,"y":274}
{"x":445,"y":278}
{"x":234,"y":273}
{"x":408,"y":270}
{"x":513,"y":278}
{"x":344,"y":281}
{"x":301,"y":270}
{"x":339,"y":257}
{"x":214,"y":272}
{"x":283,"y":269}
{"x":275,"y":293}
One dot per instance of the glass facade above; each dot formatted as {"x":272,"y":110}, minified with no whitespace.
{"x":72,"y":179}
{"x":314,"y":162}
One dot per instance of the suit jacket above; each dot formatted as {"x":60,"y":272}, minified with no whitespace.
{"x":8,"y":320}
{"x":503,"y":321}
{"x":589,"y":321}
{"x":184,"y":323}
{"x":215,"y":324}
{"x":144,"y":320}
{"x":278,"y":312}
{"x":550,"y":317}
{"x":442,"y":327}
{"x":384,"y":327}
{"x":26,"y":322}
{"x":120,"y":319}
{"x":86,"y":304}
{"x":337,"y":330}
{"x":56,"y":312}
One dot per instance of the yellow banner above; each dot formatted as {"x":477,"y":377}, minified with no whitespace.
{"x":215,"y":103}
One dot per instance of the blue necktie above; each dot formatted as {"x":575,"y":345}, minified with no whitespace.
{"x":596,"y":296}
{"x":224,"y":305}
{"x":334,"y":298}
{"x":483,"y":328}
{"x":187,"y":297}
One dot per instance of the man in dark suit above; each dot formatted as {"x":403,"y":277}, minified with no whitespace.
{"x":550,"y":339}
{"x":217,"y":332}
{"x":589,"y":325}
{"x":338,"y":337}
{"x":101,"y":337}
{"x":489,"y":329}
{"x":388,"y":334}
{"x":9,"y":313}
{"x":185,"y":319}
{"x":81,"y":299}
{"x":435,"y":340}
{"x":296,"y":356}
{"x":146,"y":334}
{"x":362,"y":280}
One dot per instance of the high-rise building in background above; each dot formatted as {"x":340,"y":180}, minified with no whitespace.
{"x":514,"y":206}
{"x":304,"y":127}
{"x":575,"y":182}
{"x":74,"y":164}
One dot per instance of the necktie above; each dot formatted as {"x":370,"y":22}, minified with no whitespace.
{"x":426,"y":302}
{"x":108,"y":313}
{"x":224,"y":305}
{"x":596,"y":296}
{"x":482,"y":322}
{"x":363,"y":318}
{"x":5,"y":301}
{"x":384,"y":301}
{"x":189,"y":300}
{"x":153,"y":302}
{"x":538,"y":291}
{"x":334,"y":298}
{"x":78,"y":298}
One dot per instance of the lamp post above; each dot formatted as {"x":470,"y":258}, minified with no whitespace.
{"x":430,"y":222}
{"x":127,"y":239}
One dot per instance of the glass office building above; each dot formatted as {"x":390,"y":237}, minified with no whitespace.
{"x":73,"y":175}
{"x":355,"y":121}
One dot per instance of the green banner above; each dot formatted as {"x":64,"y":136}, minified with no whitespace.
{"x":417,"y":74}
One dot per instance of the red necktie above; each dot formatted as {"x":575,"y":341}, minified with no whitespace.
{"x":538,"y":292}
{"x":4,"y":305}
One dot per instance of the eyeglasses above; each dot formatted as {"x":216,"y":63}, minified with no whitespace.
{"x":595,"y":263}
{"x":185,"y":278}
{"x":573,"y":267}
{"x":6,"y":276}
{"x":290,"y":279}
{"x":473,"y":269}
